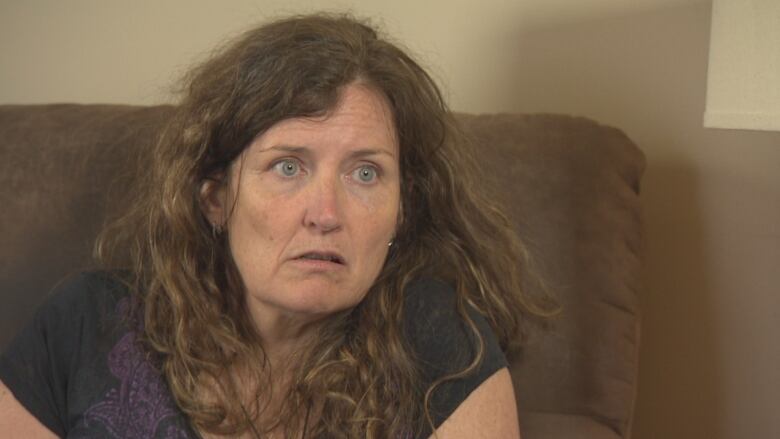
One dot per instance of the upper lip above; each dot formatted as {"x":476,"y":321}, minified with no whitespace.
{"x":336,"y":256}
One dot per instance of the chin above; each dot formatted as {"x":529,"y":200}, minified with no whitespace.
{"x":321,"y":298}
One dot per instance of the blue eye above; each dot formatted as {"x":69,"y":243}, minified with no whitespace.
{"x":365,"y":174}
{"x":287,"y":168}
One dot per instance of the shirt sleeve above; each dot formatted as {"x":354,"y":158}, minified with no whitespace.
{"x":36,"y":365}
{"x":444,"y":344}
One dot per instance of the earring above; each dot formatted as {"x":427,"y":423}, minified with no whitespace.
{"x":390,"y":244}
{"x":216,"y":229}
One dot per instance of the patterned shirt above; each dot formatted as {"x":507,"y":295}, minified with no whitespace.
{"x":79,"y":369}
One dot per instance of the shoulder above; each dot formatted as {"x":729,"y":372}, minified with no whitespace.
{"x":92,"y":297}
{"x":86,"y":288}
{"x":429,"y":306}
{"x":87,"y":300}
{"x":84,"y":313}
{"x":42,"y":362}
{"x":78,"y":309}
{"x":442,"y":335}
{"x":80,"y":369}
{"x":433,"y":327}
{"x":456,"y":350}
{"x":490,"y":411}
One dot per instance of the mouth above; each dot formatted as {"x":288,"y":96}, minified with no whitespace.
{"x":325,"y":256}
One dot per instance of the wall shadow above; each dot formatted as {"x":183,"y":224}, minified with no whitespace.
{"x":679,"y":369}
{"x":646,"y":74}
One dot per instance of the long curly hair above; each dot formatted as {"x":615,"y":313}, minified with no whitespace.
{"x":359,"y":371}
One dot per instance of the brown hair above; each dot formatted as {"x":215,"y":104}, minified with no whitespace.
{"x":360,"y":367}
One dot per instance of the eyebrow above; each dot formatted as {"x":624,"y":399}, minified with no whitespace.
{"x":303,"y":150}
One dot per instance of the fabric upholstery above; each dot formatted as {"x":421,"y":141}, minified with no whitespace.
{"x":563,"y":426}
{"x":569,"y":185}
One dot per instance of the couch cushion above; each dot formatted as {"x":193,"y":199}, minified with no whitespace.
{"x":561,"y":426}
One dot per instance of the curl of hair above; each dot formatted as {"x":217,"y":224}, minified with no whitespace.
{"x":359,"y":369}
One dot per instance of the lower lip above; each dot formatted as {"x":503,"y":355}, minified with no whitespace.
{"x":318,"y":264}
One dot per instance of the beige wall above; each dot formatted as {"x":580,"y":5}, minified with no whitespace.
{"x":710,"y":365}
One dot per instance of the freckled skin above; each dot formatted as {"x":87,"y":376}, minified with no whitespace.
{"x":322,"y":205}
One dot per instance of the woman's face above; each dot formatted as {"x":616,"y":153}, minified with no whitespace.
{"x":316,"y":203}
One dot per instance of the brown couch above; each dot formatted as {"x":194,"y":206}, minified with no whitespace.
{"x":570,"y":185}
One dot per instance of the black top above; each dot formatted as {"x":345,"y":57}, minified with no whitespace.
{"x":77,"y":368}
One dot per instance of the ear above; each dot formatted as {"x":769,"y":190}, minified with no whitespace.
{"x":213,"y":200}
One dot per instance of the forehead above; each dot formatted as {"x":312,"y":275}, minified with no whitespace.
{"x":362,"y":118}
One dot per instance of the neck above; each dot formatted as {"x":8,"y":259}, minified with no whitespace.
{"x":281,"y":333}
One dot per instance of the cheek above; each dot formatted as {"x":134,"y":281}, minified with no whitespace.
{"x":378,"y":228}
{"x":263,"y":217}
{"x":249,"y":220}
{"x":252,"y":232}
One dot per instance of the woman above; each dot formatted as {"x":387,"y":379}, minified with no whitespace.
{"x":308,"y":258}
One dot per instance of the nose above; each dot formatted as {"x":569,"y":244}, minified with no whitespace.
{"x":324,"y":205}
